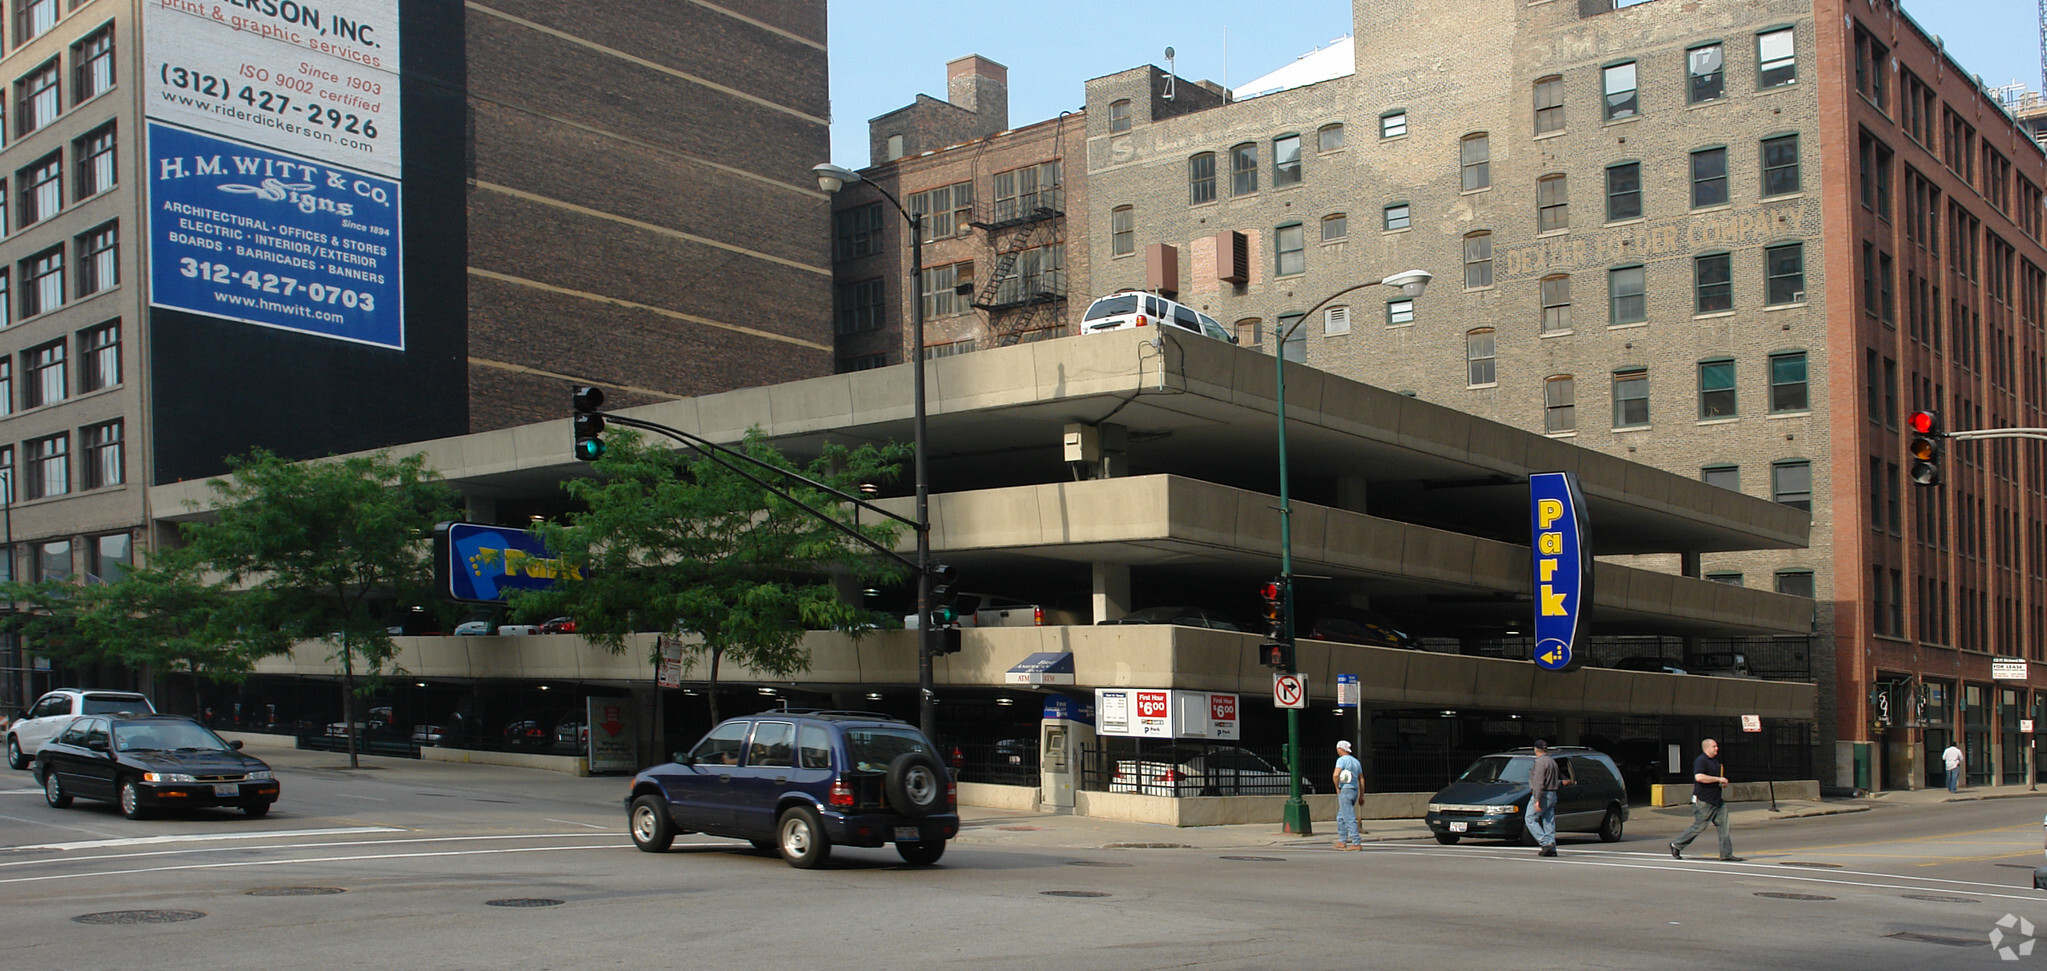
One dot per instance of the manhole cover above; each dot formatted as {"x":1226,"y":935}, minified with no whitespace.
{"x":1020,"y":829}
{"x":1818,"y":866}
{"x":523,"y":902}
{"x":139,"y":917}
{"x":294,"y":891}
{"x":1792,"y":896}
{"x":1942,"y":900}
{"x":1072,"y":893}
{"x":1094,"y":863}
{"x":1256,"y":859}
{"x":1918,"y":938}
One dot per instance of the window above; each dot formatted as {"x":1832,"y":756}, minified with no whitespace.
{"x":99,"y":357}
{"x":42,"y":188}
{"x":6,"y":300}
{"x":861,"y":307}
{"x":1791,"y":484}
{"x":1624,"y":191}
{"x":1393,"y":124}
{"x":944,"y":212}
{"x":1290,"y":249}
{"x":99,"y":263}
{"x":1627,"y":295}
{"x":1286,"y":160}
{"x":1716,"y":389}
{"x":1796,"y":583}
{"x":1119,"y":116}
{"x":1549,"y":105}
{"x":45,"y":369}
{"x":1296,"y":337}
{"x":1709,"y":177}
{"x":939,"y":290}
{"x":1776,"y":58}
{"x":1201,"y":179}
{"x":1731,"y":579}
{"x":1399,"y":312}
{"x":1552,"y":204}
{"x":857,"y":231}
{"x":1784,"y":273}
{"x":36,"y":98}
{"x":42,"y":282}
{"x":101,"y":444}
{"x":895,"y":146}
{"x":92,"y":61}
{"x":1122,"y":231}
{"x":1029,"y":191}
{"x":1335,"y":226}
{"x":1329,"y":139}
{"x":1244,"y":169}
{"x":1712,"y":283}
{"x":1556,"y":304}
{"x":6,"y":386}
{"x":1474,"y":160}
{"x":49,"y":467}
{"x":1479,"y":357}
{"x":1559,"y":404}
{"x":1621,"y":97}
{"x":7,"y":480}
{"x":32,"y":18}
{"x":1630,"y":398}
{"x":113,"y":555}
{"x":95,"y":154}
{"x":1335,"y":321}
{"x":862,"y":362}
{"x":1704,"y":66}
{"x":1787,"y":382}
{"x":1724,"y":476}
{"x":1780,"y":165}
{"x":1397,"y":216}
{"x":1478,"y":260}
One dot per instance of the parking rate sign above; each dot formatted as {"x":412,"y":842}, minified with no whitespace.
{"x":1562,"y":568}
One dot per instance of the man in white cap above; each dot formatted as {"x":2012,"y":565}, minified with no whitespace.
{"x":1347,"y":779}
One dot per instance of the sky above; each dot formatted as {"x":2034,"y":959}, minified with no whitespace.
{"x":884,"y":54}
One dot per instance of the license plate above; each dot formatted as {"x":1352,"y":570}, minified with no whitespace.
{"x":908,"y":834}
{"x":227,"y":790}
{"x":1458,"y":827}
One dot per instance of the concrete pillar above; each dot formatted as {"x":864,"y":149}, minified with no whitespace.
{"x":1111,"y":597}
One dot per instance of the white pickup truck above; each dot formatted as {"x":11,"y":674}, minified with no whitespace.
{"x":987,"y":610}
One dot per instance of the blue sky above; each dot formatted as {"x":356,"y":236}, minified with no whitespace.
{"x":884,"y":54}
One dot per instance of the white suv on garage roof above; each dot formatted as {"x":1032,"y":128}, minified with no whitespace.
{"x":54,"y":710}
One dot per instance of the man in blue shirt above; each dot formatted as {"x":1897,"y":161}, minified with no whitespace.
{"x":1348,"y":782}
{"x":1708,"y":803}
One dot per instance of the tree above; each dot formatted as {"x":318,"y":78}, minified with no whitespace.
{"x":322,"y":550}
{"x":675,"y":542}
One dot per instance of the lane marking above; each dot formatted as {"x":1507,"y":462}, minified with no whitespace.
{"x":206,"y":837}
{"x":300,"y":846}
{"x":571,"y":822}
{"x":317,"y":859}
{"x":1764,"y":871}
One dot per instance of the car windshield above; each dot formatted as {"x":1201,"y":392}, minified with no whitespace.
{"x":166,"y":737}
{"x":873,"y":749}
{"x":1498,"y":768}
{"x":1113,"y":306}
{"x":110,"y":704}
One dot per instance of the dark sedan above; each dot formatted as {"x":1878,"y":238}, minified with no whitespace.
{"x":149,"y":762}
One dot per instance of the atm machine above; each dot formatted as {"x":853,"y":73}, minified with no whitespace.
{"x":1068,"y":731}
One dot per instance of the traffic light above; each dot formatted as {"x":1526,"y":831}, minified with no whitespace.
{"x":1273,"y":654}
{"x":1924,"y":447}
{"x":945,"y":640}
{"x":944,"y":616}
{"x":1274,"y":595}
{"x":589,"y":424}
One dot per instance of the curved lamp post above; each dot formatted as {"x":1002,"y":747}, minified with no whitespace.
{"x":1410,"y":284}
{"x":831,"y":178}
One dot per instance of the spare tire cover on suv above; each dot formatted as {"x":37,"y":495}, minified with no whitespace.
{"x":916,"y":784}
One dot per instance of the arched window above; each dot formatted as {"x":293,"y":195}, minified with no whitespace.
{"x":1474,"y":161}
{"x":1549,"y":104}
{"x":1329,"y":139}
{"x":1478,"y":260}
{"x":1244,"y":169}
{"x":1335,"y":226}
{"x":1119,"y":116}
{"x":1556,"y":303}
{"x":1479,"y":357}
{"x":1559,"y":404}
{"x":1201,"y":179}
{"x":1552,"y":204}
{"x":1122,"y":231}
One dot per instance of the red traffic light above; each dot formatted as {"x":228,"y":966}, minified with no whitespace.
{"x":1924,"y":423}
{"x":1272,"y":592}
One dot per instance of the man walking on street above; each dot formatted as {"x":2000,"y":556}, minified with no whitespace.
{"x":1348,"y":783}
{"x":1953,"y":759}
{"x":1542,"y":800}
{"x":1708,"y":805}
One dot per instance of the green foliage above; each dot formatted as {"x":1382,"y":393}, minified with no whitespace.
{"x":162,"y":615}
{"x":675,"y":542}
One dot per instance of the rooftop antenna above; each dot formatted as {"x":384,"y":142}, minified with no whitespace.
{"x":1169,"y":71}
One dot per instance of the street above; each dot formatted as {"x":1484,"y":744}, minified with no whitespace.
{"x":437,"y":865}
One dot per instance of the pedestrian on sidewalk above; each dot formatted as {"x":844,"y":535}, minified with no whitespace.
{"x":1348,"y":779}
{"x":1952,"y":757}
{"x":1708,"y":803}
{"x":1543,"y":782}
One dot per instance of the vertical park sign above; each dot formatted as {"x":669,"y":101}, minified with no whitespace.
{"x":1562,"y":567}
{"x":275,"y":164}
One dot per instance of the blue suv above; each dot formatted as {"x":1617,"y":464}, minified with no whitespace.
{"x":800,"y":781}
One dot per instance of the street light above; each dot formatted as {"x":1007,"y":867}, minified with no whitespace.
{"x":1410,"y":284}
{"x":832,"y":178}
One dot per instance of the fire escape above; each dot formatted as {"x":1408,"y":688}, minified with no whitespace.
{"x":1024,"y":294}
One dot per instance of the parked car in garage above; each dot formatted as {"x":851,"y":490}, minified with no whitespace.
{"x":1720,"y":664}
{"x":1128,"y":309}
{"x":149,"y":762}
{"x":1196,"y":770}
{"x":55,"y":710}
{"x":1354,"y":625}
{"x":1181,"y":616}
{"x":1648,"y":663}
{"x":1489,"y":800}
{"x":558,"y":625}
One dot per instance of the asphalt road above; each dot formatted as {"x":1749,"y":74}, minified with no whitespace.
{"x":433,"y":866}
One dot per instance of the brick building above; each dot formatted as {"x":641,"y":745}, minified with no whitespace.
{"x":1737,"y":240}
{"x":333,"y":227}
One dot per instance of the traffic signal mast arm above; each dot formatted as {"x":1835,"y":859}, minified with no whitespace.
{"x":2040,"y":433}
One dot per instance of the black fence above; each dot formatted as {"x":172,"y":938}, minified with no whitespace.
{"x":1185,"y":767}
{"x":1010,"y":762}
{"x":1787,"y":658}
{"x":370,"y":743}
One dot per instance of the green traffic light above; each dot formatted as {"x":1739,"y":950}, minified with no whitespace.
{"x":590,"y":449}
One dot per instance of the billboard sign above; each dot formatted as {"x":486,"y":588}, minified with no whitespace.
{"x":1164,"y":713}
{"x":482,"y":564}
{"x":609,"y":724}
{"x":1562,"y":567}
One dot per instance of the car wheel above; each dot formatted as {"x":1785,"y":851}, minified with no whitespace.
{"x":1448,"y":839}
{"x":922,"y":852}
{"x":1610,"y":827}
{"x":256,"y":810}
{"x":801,"y":838}
{"x":652,"y":830}
{"x":131,"y":801}
{"x":53,"y":791}
{"x":15,"y":760}
{"x":916,"y":784}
